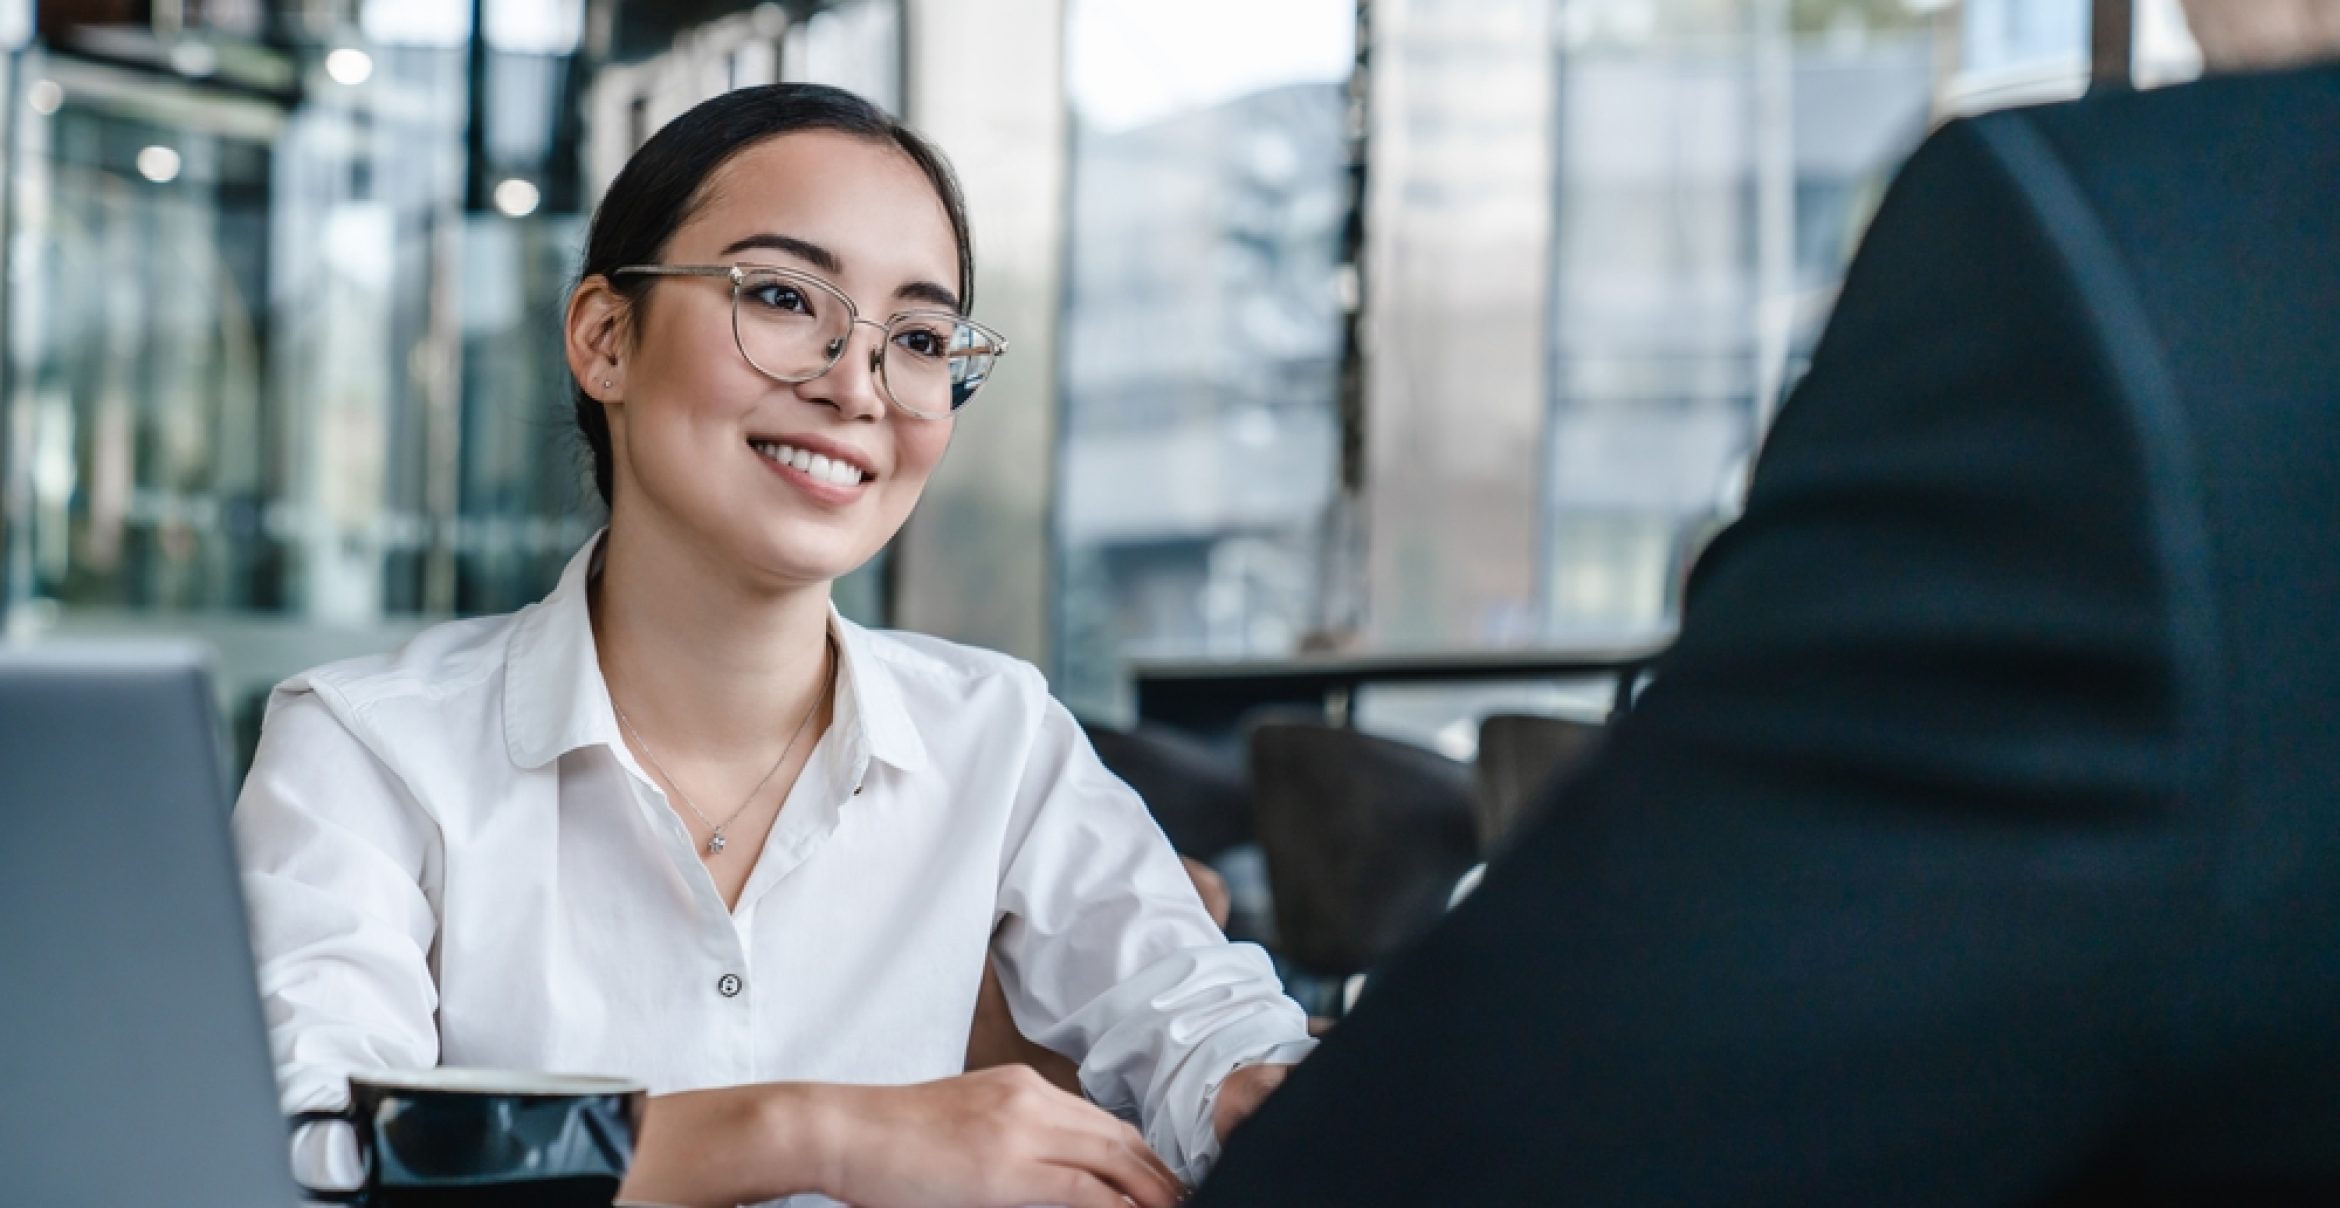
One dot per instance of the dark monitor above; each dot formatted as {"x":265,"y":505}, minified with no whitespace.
{"x":134,"y":1065}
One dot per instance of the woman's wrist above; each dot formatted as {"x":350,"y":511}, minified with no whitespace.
{"x":739,"y":1144}
{"x":814,"y":1130}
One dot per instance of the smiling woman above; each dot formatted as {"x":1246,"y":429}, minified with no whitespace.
{"x":680,"y":821}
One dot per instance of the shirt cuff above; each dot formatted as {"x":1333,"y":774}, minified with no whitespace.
{"x":1202,"y":1144}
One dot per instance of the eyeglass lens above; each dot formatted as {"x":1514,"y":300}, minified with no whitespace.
{"x":795,"y":331}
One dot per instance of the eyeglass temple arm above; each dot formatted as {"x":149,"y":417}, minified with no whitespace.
{"x":670,"y":270}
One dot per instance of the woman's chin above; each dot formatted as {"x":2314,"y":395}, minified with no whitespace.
{"x":798,"y":564}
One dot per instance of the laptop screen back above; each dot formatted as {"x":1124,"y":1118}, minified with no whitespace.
{"x":134,"y":1066}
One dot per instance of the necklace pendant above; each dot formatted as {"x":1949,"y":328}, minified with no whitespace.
{"x":715,"y":844}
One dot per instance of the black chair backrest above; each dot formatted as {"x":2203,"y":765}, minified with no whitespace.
{"x":1520,"y":757}
{"x":1197,"y":794}
{"x":1365,"y":838}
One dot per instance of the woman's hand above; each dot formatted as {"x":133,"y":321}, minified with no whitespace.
{"x":998,"y":1138}
{"x":1241,"y":1094}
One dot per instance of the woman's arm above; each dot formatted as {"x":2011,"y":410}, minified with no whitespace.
{"x":335,"y":858}
{"x":1105,"y":951}
{"x":1243,"y":1092}
{"x":999,"y":1137}
{"x":993,"y":1039}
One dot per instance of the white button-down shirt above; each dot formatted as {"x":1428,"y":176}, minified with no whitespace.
{"x":452,"y":858}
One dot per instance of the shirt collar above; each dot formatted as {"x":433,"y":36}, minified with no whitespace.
{"x":555,"y":700}
{"x":866,"y":682}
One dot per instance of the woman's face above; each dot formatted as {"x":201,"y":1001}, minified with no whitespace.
{"x":694,"y":427}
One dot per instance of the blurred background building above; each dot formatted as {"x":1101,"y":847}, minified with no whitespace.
{"x":1340,"y":325}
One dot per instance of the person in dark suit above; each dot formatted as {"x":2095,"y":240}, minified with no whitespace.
{"x":1980,"y":841}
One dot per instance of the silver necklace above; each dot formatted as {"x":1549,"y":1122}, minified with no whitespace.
{"x":715,"y":839}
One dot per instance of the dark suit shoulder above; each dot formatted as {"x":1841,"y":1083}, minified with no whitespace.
{"x":2217,"y":199}
{"x":2196,"y":129}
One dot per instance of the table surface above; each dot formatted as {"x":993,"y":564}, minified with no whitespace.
{"x":1211,"y":698}
{"x":1539,"y":662}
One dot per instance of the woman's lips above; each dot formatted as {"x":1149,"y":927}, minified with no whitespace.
{"x":824,"y":479}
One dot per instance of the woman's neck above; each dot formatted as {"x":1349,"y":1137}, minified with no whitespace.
{"x":708,"y":664}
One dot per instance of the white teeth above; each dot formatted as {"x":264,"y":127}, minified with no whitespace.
{"x":823,"y":469}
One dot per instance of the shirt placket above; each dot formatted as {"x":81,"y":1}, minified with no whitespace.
{"x":735,"y":990}
{"x":725,"y":980}
{"x":833,"y":778}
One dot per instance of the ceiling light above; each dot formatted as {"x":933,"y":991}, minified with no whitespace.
{"x":159,"y":164}
{"x":349,"y":65}
{"x":193,"y":58}
{"x":517,"y":198}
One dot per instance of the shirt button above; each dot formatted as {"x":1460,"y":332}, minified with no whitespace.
{"x":728,"y":987}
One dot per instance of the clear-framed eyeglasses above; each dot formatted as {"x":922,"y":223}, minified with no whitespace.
{"x":793,"y":327}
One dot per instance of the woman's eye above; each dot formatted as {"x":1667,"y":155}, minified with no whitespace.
{"x":923,"y":342}
{"x":779,"y":297}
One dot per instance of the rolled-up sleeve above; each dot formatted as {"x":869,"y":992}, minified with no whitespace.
{"x":1107,"y":955}
{"x":337,"y":863}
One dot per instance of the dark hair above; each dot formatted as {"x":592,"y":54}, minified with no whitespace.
{"x":665,"y":183}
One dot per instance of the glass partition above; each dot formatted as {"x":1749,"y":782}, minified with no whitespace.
{"x":140,"y":349}
{"x":228,"y":347}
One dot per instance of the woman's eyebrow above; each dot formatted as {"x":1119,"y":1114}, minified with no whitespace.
{"x":825,"y":260}
{"x":928,"y":291}
{"x":789,"y":245}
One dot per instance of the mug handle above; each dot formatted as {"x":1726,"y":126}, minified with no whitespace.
{"x":328,"y":1195}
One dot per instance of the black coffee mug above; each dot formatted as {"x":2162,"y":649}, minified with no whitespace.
{"x":455,"y":1138}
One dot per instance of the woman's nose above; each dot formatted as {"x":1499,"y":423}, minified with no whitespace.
{"x":853,"y":383}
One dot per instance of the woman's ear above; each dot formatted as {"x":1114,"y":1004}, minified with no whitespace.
{"x":596,"y":339}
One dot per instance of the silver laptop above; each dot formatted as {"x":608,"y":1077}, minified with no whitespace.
{"x":134,"y":1066}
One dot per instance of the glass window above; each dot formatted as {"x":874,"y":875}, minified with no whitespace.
{"x":1685,"y":182}
{"x":1457,"y":225}
{"x":1717,"y":162}
{"x":2018,"y":52}
{"x":1202,"y":330}
{"x":1601,"y":240}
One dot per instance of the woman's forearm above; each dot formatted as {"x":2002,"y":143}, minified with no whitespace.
{"x":988,"y":1139}
{"x":734,"y":1145}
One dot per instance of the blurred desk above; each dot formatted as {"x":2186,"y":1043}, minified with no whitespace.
{"x":1212,"y":698}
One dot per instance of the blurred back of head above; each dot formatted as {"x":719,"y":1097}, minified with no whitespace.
{"x":2261,"y":35}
